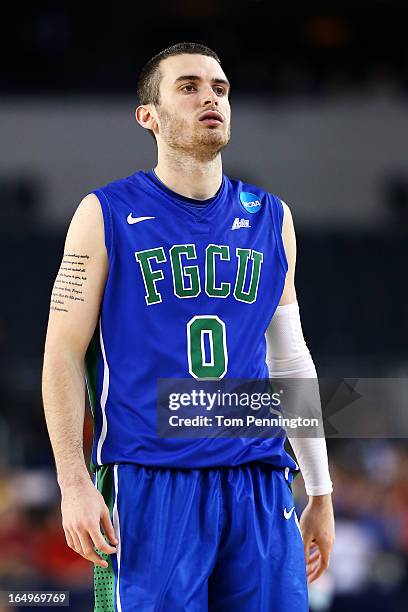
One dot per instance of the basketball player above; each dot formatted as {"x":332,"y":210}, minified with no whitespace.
{"x":152,"y":264}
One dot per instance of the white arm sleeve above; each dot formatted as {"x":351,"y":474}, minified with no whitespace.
{"x":288,"y":357}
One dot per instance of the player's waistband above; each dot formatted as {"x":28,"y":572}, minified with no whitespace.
{"x":288,"y":473}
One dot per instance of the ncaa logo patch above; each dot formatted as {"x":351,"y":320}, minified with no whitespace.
{"x":250,"y":202}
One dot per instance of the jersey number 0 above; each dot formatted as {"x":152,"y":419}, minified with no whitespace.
{"x":202,"y":364}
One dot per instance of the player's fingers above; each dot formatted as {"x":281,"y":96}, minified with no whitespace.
{"x":325,"y":550}
{"x":307,"y":542}
{"x":312,"y":561}
{"x":69,"y":540}
{"x":313,"y":556}
{"x":313,"y":567}
{"x":316,"y":573}
{"x":108,"y":527}
{"x":88,"y":549}
{"x":77,"y":544}
{"x":318,"y":567}
{"x":100,"y":542}
{"x":311,"y":578}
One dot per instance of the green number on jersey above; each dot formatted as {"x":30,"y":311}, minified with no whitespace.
{"x":199,"y":366}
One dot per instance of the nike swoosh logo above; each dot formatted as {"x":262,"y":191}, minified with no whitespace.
{"x":287,"y":514}
{"x":132,"y":220}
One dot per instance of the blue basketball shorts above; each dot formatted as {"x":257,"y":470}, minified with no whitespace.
{"x":220,"y":539}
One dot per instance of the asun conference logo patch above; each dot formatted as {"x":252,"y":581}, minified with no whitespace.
{"x":250,"y":202}
{"x":238,"y":223}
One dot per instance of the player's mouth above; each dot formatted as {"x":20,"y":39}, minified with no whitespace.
{"x":211,"y":118}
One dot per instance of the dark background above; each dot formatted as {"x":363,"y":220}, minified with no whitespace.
{"x":320,"y":117}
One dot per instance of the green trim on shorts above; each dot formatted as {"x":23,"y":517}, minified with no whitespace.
{"x":104,"y":578}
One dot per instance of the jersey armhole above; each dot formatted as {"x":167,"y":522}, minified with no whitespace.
{"x":107,"y":220}
{"x":278,"y":212}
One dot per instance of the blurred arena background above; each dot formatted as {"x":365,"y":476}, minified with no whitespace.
{"x":320,"y":117}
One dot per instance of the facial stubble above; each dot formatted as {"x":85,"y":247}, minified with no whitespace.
{"x":202,"y":143}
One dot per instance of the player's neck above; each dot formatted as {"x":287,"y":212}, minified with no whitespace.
{"x":190,"y":177}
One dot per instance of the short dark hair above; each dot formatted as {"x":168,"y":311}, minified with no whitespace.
{"x":148,"y":86}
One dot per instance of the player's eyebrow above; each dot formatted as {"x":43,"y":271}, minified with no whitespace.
{"x":194,"y":77}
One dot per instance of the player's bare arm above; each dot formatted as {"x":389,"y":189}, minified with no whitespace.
{"x":317,"y":520}
{"x":289,"y":241}
{"x":74,"y":309}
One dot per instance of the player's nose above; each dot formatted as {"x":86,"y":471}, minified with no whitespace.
{"x":210,"y":97}
{"x":210,"y":102}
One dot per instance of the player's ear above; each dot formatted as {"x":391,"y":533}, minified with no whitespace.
{"x":146,"y":117}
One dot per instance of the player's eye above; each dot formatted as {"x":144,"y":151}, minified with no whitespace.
{"x":188,"y":88}
{"x":220,"y":91}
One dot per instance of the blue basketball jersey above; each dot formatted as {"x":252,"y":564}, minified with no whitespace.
{"x":181,"y":270}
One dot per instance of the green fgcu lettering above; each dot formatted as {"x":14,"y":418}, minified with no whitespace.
{"x":211,"y":251}
{"x":186,"y":279}
{"x":151,"y":277}
{"x":180,"y":272}
{"x":243,"y":257}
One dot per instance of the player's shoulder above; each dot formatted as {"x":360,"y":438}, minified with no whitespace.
{"x":243,"y":186}
{"x":286,"y":209}
{"x":91,"y":208}
{"x":88,"y":211}
{"x":85,"y":229}
{"x":247,"y":190}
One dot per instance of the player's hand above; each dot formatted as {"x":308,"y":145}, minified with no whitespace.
{"x":83,"y":512}
{"x":317,"y":527}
